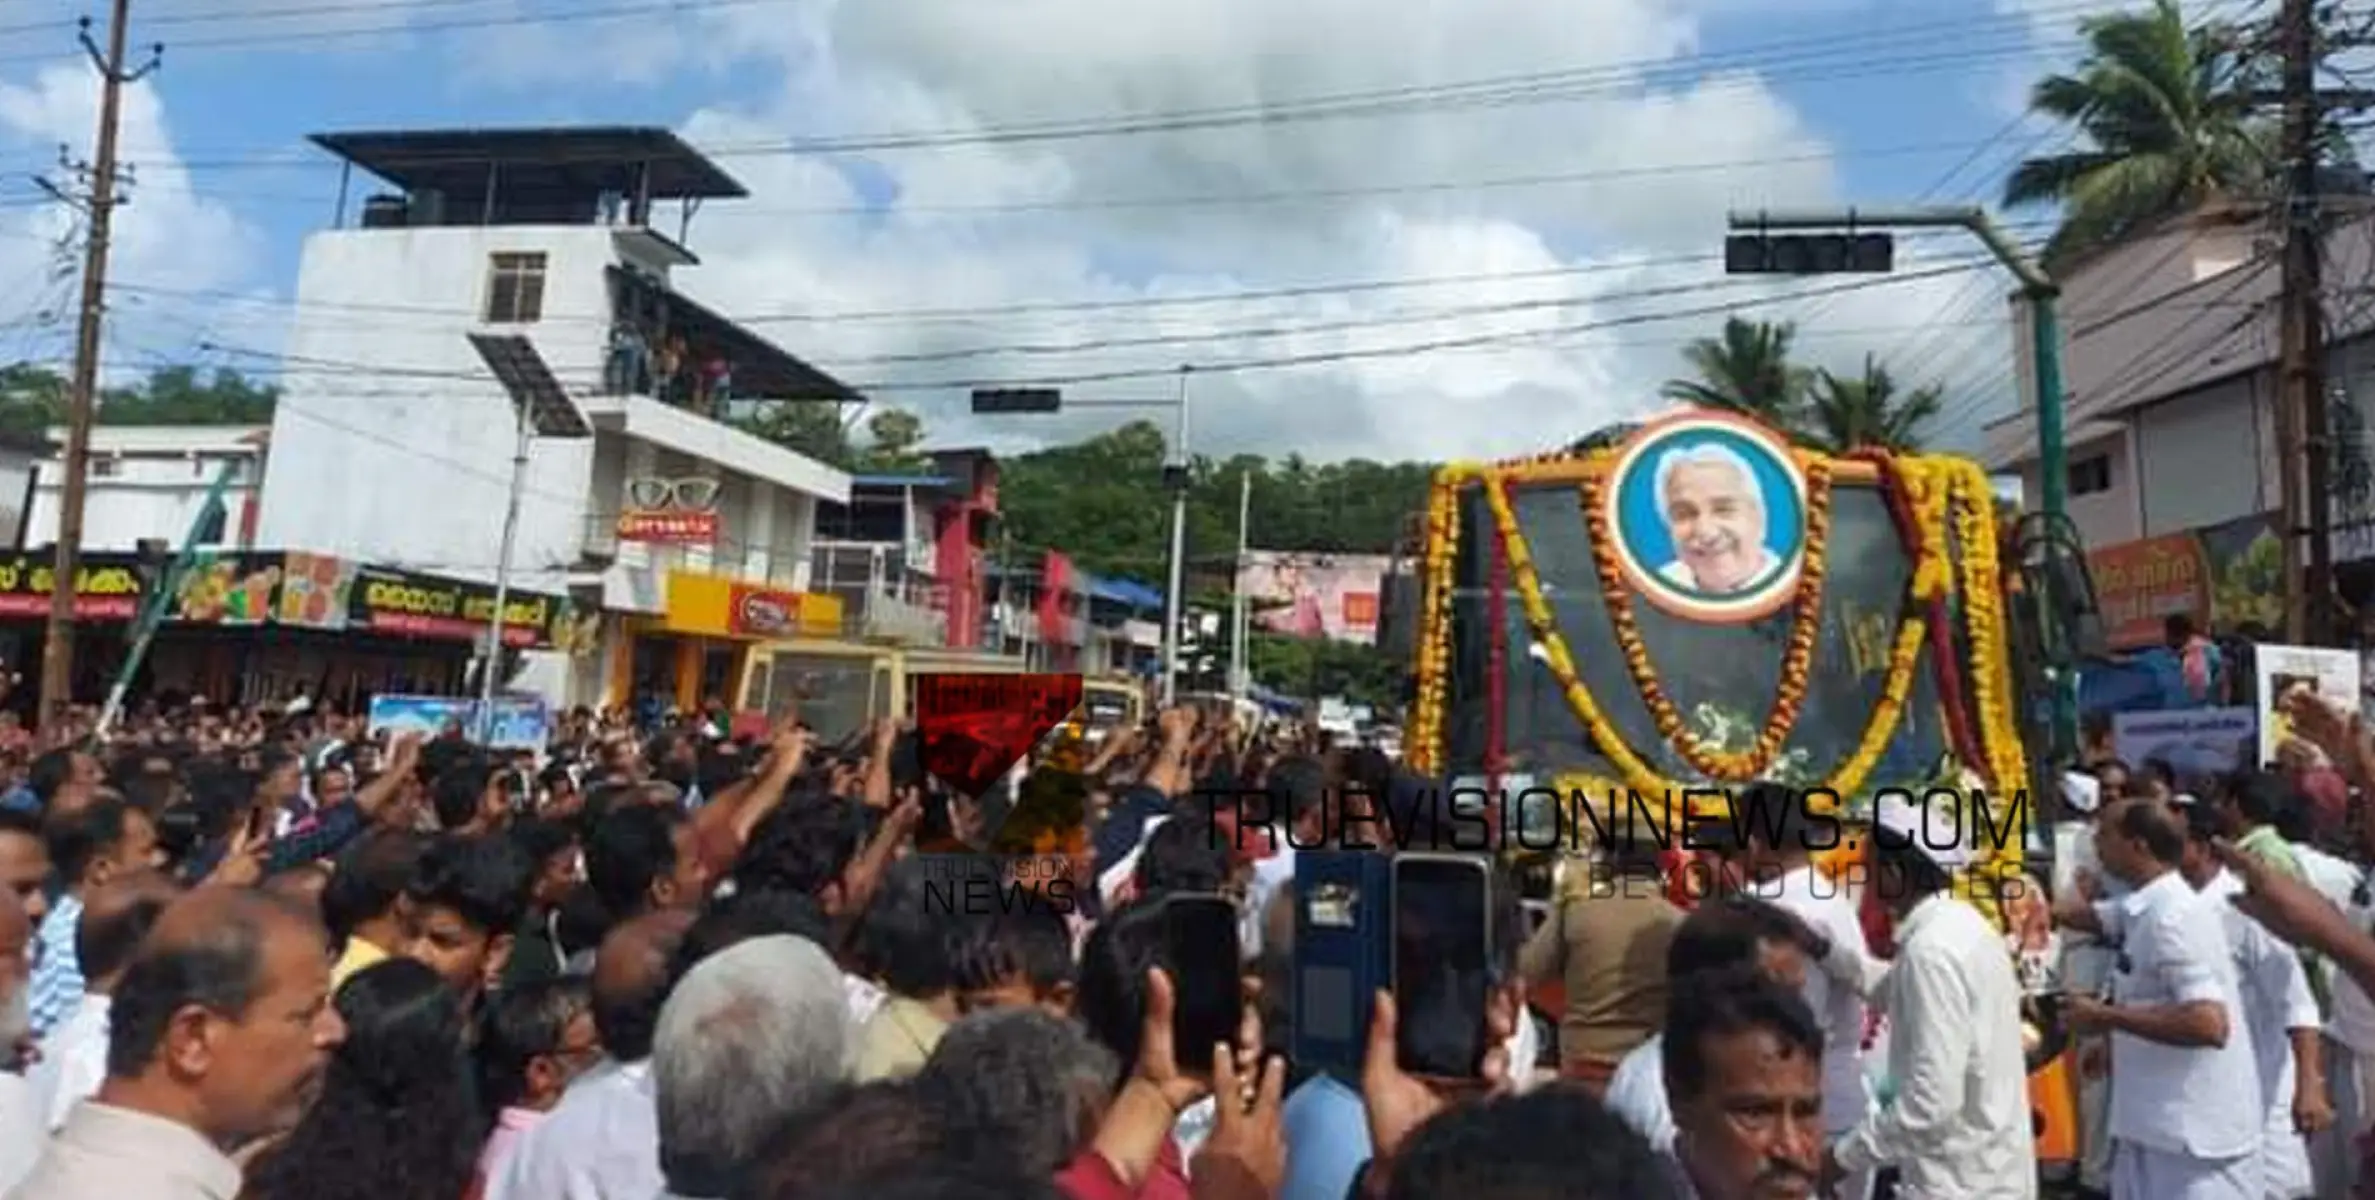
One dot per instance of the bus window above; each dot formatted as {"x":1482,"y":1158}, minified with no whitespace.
{"x":831,"y":693}
{"x":754,"y":695}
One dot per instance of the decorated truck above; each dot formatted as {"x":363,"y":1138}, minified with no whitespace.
{"x":1696,"y":604}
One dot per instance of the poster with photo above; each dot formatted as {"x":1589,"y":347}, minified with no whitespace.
{"x":2278,"y":669}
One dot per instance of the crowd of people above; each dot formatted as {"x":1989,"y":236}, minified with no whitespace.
{"x":267,"y":955}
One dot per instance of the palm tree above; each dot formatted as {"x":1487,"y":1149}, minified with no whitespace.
{"x":1866,"y":410}
{"x":2167,"y":115}
{"x":1745,"y":371}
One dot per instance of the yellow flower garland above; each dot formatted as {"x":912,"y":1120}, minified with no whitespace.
{"x":1805,"y":629}
{"x":1846,"y":779}
{"x":1942,"y":494}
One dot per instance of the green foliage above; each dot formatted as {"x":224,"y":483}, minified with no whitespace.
{"x":1848,"y":413}
{"x":2170,"y":121}
{"x":1747,"y":370}
{"x":1320,"y":667}
{"x":813,"y":429}
{"x":34,"y":399}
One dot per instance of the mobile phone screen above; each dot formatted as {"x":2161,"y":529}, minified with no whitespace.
{"x":1200,"y":954}
{"x":1442,"y":978}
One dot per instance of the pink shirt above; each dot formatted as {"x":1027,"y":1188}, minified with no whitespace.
{"x":509,"y":1125}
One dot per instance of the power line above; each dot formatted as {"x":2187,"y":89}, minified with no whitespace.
{"x":1853,"y":51}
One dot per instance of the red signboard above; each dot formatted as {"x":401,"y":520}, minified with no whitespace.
{"x":2140,"y":584}
{"x":974,"y":728}
{"x":763,"y":612}
{"x":669,"y":526}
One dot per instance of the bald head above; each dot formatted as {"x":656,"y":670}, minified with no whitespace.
{"x":115,"y":917}
{"x":206,"y":948}
{"x":631,"y":980}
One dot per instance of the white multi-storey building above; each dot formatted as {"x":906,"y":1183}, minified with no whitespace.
{"x":679,"y":539}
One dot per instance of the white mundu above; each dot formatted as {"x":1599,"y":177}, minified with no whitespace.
{"x":2175,"y":1126}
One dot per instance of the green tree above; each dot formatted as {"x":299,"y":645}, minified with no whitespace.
{"x":34,"y":399}
{"x":895,"y":440}
{"x":2168,"y":114}
{"x":1860,"y":411}
{"x":1746,"y":370}
{"x":809,"y":427}
{"x":178,"y":396}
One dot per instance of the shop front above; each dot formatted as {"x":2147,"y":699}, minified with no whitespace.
{"x":692,"y":656}
{"x":255,"y":627}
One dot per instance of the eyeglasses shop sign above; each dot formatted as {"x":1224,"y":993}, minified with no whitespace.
{"x":422,"y":606}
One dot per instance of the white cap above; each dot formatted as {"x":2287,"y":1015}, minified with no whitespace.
{"x":1932,"y":828}
{"x":2082,"y":792}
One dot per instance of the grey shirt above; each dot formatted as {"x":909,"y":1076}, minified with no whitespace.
{"x":109,"y":1153}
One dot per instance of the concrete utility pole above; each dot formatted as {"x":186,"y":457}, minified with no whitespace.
{"x":57,"y":652}
{"x":2303,"y":445}
{"x":1175,"y":596}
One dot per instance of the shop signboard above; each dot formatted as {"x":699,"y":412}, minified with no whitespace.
{"x":2141,"y":584}
{"x":106,"y":587}
{"x":226,"y":587}
{"x":316,"y":591}
{"x":411,"y":604}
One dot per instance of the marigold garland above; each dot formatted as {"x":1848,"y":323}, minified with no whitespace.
{"x":1435,"y":619}
{"x":1846,"y":779}
{"x":1805,"y":630}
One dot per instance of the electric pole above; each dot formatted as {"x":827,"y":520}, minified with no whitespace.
{"x":2309,"y":569}
{"x":57,"y":651}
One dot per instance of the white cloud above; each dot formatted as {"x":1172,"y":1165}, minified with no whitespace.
{"x":883,"y":66}
{"x":166,"y":237}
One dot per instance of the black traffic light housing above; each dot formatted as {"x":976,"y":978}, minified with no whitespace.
{"x":1010,"y":401}
{"x":1809,"y":253}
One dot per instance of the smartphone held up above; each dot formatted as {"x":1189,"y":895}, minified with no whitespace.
{"x":1200,"y":954}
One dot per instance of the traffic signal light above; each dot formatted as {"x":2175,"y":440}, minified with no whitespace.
{"x":1809,"y":254}
{"x":1009,"y":401}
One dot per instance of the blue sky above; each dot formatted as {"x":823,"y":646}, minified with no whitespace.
{"x":1809,"y":101}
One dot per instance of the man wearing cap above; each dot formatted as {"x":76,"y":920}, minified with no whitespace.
{"x":2179,"y":1048}
{"x":1782,"y":834}
{"x":1958,"y":1124}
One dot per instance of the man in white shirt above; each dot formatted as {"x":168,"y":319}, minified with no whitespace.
{"x":2280,"y":1014}
{"x":2178,"y":1048}
{"x":1781,"y":836}
{"x":602,"y":1141}
{"x":1958,"y":1127}
{"x":115,"y":916}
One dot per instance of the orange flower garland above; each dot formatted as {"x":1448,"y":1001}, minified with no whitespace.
{"x":1434,"y":641}
{"x":1805,"y":628}
{"x":1846,"y":779}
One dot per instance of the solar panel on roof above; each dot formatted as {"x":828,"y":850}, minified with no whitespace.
{"x":513,"y":359}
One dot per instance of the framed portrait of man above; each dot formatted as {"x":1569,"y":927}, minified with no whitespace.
{"x":1709,"y":516}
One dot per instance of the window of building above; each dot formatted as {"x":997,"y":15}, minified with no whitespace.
{"x":102,"y":465}
{"x":515,"y":288}
{"x":2090,"y":475}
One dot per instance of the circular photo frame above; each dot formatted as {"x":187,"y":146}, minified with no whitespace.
{"x":1708,"y":512}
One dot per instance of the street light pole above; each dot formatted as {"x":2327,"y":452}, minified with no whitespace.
{"x":2045,"y":337}
{"x":1174,"y":604}
{"x":511,"y":529}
